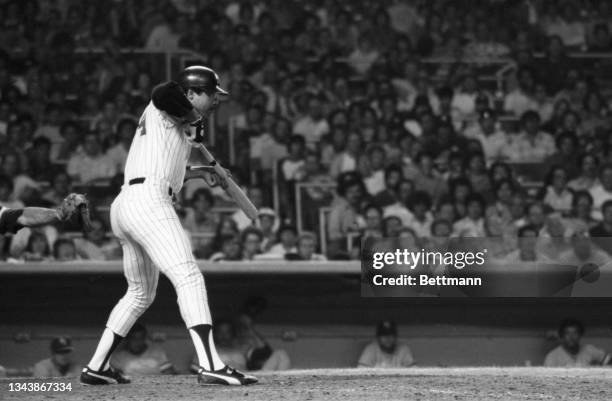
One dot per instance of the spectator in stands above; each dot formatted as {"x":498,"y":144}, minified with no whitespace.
{"x":587,"y":176}
{"x":385,"y":351}
{"x":530,"y":145}
{"x":64,"y":250}
{"x":24,"y":187}
{"x":69,"y":145}
{"x":350,"y":159}
{"x":61,"y":363}
{"x":492,"y":139}
{"x":313,"y":125}
{"x":364,"y":56}
{"x":200,"y":219}
{"x":527,"y":247}
{"x":425,"y":176}
{"x":374,"y":180}
{"x":40,"y":166}
{"x":140,"y":357}
{"x":521,"y":99}
{"x":571,"y":352}
{"x":37,"y":249}
{"x":566,"y":24}
{"x":422,"y":216}
{"x":464,"y":99}
{"x":291,"y":167}
{"x":126,"y":129}
{"x":6,"y":190}
{"x":345,"y":216}
{"x":268,"y":224}
{"x":601,"y":40}
{"x":581,"y":214}
{"x":230,"y":248}
{"x":567,"y":154}
{"x":306,"y":248}
{"x":373,"y":216}
{"x":555,"y":193}
{"x":602,"y":191}
{"x":95,"y":245}
{"x":602,"y":232}
{"x":90,"y":164}
{"x":61,"y":187}
{"x":286,"y":243}
{"x":390,"y":194}
{"x":583,"y":251}
{"x":251,"y":239}
{"x":473,"y":224}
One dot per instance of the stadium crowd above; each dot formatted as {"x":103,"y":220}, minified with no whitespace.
{"x":339,"y":98}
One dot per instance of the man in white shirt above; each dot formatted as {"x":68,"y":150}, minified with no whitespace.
{"x":90,"y":163}
{"x":571,"y":353}
{"x":492,"y":138}
{"x":313,"y":125}
{"x":530,"y":145}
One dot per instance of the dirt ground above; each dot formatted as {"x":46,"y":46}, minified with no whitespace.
{"x":424,"y":384}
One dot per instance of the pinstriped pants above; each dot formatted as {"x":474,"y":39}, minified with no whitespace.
{"x":153,"y":240}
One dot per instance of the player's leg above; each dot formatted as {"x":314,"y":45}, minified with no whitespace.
{"x":169,"y":247}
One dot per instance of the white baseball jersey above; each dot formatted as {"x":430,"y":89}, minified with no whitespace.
{"x":160,"y":149}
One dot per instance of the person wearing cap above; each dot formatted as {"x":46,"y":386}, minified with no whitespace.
{"x":385,"y":351}
{"x":531,"y":145}
{"x":268,"y":224}
{"x":489,"y":134}
{"x":61,"y":363}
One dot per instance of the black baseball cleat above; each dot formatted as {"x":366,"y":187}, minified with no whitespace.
{"x":227,"y":376}
{"x":110,"y":376}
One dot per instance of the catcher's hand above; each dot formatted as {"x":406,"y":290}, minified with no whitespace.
{"x":75,"y":204}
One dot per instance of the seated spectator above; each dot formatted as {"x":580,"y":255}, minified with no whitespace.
{"x":385,"y":351}
{"x":422,"y":216}
{"x":567,"y":154}
{"x":251,"y":238}
{"x":364,"y":56}
{"x":601,"y":40}
{"x":126,"y":129}
{"x":602,"y":191}
{"x":373,"y":216}
{"x":460,"y":189}
{"x":375,"y":179}
{"x":581,"y":214}
{"x":521,"y":99}
{"x":200,"y":219}
{"x":530,"y":145}
{"x":476,"y":172}
{"x":286,"y":243}
{"x":24,"y":187}
{"x":230,"y":249}
{"x":61,"y":363}
{"x":37,"y":249}
{"x":270,"y":147}
{"x":90,"y":163}
{"x":350,"y":159}
{"x":425,"y":176}
{"x":401,"y":208}
{"x":587,"y":174}
{"x":583,"y":251}
{"x":69,"y":144}
{"x":6,"y":190}
{"x":319,"y":191}
{"x":95,"y":245}
{"x":345,"y":216}
{"x":306,"y":248}
{"x":602,"y":232}
{"x":291,"y":167}
{"x":224,"y":334}
{"x":571,"y":352}
{"x":140,"y":357}
{"x":40,"y":166}
{"x":64,"y":250}
{"x":61,"y":187}
{"x":527,"y":247}
{"x":491,"y":137}
{"x":464,"y":99}
{"x":556,"y":193}
{"x":567,"y":25}
{"x":472,"y":225}
{"x":268,"y":224}
{"x":390,"y":194}
{"x":313,"y":125}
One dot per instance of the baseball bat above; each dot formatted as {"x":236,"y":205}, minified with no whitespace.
{"x":232,"y":188}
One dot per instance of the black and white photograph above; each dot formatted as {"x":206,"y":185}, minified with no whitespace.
{"x":306,"y":200}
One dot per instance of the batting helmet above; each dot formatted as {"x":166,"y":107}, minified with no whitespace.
{"x":202,"y":78}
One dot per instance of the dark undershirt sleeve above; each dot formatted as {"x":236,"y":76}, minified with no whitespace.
{"x":170,"y":98}
{"x":8,"y":220}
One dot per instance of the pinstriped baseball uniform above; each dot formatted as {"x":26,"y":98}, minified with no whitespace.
{"x":148,"y":228}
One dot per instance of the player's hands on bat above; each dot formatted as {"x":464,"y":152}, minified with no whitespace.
{"x":213,"y":179}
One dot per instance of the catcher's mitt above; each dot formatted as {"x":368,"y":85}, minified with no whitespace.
{"x":75,"y":204}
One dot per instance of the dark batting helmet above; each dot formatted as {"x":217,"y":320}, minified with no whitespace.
{"x":201,"y":78}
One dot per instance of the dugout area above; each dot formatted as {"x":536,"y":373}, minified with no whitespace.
{"x":317,"y":316}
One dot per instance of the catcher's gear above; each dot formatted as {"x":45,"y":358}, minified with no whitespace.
{"x":200,"y":78}
{"x":75,"y":204}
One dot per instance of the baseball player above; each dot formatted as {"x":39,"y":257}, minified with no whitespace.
{"x":13,"y":220}
{"x":149,"y":230}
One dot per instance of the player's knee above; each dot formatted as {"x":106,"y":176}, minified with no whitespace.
{"x":142,"y":298}
{"x":187,"y":274}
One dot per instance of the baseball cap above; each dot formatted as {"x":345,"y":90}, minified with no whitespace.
{"x":61,"y":345}
{"x":266,"y":211}
{"x":386,"y":328}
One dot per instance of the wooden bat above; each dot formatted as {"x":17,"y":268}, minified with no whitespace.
{"x":232,"y":188}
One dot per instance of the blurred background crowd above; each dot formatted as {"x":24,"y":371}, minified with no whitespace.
{"x":347,"y":120}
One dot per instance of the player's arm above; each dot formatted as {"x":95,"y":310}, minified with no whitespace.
{"x":12,"y":220}
{"x":170,"y":98}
